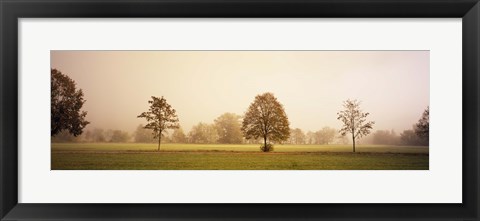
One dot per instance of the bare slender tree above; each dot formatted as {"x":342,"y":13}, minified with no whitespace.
{"x":354,"y":120}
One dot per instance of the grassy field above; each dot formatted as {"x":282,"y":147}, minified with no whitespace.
{"x":132,"y":156}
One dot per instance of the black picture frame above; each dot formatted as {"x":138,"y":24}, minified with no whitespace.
{"x":12,"y":10}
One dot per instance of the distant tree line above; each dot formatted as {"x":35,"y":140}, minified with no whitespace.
{"x":326,"y":135}
{"x":96,"y":135}
{"x":417,"y":136}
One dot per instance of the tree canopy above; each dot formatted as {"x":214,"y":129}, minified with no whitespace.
{"x":66,"y":103}
{"x":388,"y":137}
{"x":178,"y":136}
{"x":266,"y":118}
{"x":297,"y":136}
{"x":325,"y":136}
{"x":229,"y":128}
{"x":354,"y":120}
{"x":119,"y":136}
{"x":409,"y":137}
{"x":203,"y":133}
{"x":142,"y":135}
{"x":160,"y":116}
{"x":423,"y":126}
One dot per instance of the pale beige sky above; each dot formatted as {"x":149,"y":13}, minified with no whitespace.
{"x":201,"y":85}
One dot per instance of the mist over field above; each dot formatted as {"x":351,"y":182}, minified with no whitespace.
{"x":393,"y":86}
{"x":240,"y":110}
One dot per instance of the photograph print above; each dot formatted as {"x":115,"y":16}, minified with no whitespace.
{"x":239,"y":110}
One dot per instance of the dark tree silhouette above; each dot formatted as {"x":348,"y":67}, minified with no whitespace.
{"x":66,"y":102}
{"x":266,"y":118}
{"x":423,"y":125}
{"x":160,"y":116}
{"x":354,"y":120}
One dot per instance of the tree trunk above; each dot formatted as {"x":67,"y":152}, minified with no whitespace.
{"x":265,"y":143}
{"x":159,"y":140}
{"x":353,"y":138}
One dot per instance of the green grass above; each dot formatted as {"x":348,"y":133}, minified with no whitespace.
{"x":130,"y":156}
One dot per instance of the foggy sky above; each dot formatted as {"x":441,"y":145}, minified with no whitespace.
{"x":201,"y":85}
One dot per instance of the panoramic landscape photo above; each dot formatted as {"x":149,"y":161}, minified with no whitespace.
{"x":239,"y":110}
